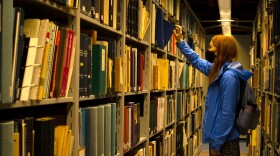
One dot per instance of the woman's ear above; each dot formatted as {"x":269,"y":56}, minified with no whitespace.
{"x":212,"y":47}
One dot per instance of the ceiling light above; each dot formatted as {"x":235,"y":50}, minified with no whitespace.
{"x":225,"y":20}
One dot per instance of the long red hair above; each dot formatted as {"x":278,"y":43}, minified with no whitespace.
{"x":226,"y":50}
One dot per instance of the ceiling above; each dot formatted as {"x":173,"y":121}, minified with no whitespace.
{"x":242,"y":11}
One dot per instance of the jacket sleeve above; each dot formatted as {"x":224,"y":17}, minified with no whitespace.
{"x":202,"y":65}
{"x":229,"y":89}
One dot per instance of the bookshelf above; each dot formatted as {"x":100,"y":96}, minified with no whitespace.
{"x":264,"y":64}
{"x":158,"y":106}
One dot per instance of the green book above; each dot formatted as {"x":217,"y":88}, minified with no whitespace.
{"x":98,"y":69}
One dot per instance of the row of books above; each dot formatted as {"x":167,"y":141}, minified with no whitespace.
{"x":43,"y":58}
{"x":184,"y":145}
{"x":163,"y":74}
{"x":257,"y":143}
{"x":156,"y":144}
{"x":159,"y":70}
{"x":188,"y":21}
{"x":107,"y":12}
{"x":188,"y":102}
{"x":40,"y":136}
{"x":92,"y":75}
{"x":139,"y":151}
{"x":157,"y":108}
{"x":98,"y":61}
{"x":137,"y":18}
{"x":131,"y":125}
{"x":135,"y":68}
{"x":263,"y":75}
{"x":173,"y":7}
{"x":277,"y":73}
{"x":162,"y":29}
{"x":157,"y":112}
{"x":97,"y":130}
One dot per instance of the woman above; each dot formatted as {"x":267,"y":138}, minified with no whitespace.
{"x":218,"y":127}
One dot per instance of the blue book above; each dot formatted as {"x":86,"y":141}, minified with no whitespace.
{"x":164,"y":29}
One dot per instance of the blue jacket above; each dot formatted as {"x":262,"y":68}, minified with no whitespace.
{"x":221,"y":99}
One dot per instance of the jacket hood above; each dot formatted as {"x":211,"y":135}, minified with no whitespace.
{"x":242,"y":73}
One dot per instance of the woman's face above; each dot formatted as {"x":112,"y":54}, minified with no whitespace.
{"x":212,"y":47}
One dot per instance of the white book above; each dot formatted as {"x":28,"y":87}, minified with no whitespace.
{"x":39,"y":59}
{"x":29,"y":67}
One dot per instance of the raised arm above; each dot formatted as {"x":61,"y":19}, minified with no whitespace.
{"x":202,"y":65}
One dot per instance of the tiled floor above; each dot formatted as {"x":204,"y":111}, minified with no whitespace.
{"x":243,"y":149}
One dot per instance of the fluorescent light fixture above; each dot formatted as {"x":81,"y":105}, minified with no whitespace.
{"x":225,"y":16}
{"x":225,"y":20}
{"x":226,"y":30}
{"x":224,"y":6}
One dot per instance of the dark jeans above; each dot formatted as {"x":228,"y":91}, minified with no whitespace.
{"x":230,"y":148}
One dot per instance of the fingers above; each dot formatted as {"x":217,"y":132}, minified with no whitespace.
{"x":178,"y":26}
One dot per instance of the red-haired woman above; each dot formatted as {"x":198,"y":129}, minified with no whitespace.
{"x":218,"y":129}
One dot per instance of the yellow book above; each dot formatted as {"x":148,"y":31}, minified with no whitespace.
{"x":44,"y":68}
{"x":71,"y":145}
{"x":118,"y":74}
{"x":67,"y":139}
{"x":31,"y":27}
{"x":163,"y":70}
{"x":16,"y":144}
{"x":155,"y":77}
{"x":109,"y":71}
{"x":60,"y":136}
{"x":106,"y":12}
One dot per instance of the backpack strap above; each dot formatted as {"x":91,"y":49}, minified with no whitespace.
{"x":242,"y":90}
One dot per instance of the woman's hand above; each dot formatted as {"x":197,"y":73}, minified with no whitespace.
{"x":178,"y":33}
{"x":214,"y":152}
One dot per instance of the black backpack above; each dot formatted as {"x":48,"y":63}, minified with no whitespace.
{"x":247,"y":112}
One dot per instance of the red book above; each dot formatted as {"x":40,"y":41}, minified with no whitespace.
{"x":66,"y":65}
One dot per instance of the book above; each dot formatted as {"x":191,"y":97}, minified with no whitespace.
{"x":91,"y":131}
{"x":44,"y":136}
{"x":114,"y":127}
{"x":60,"y":137}
{"x":18,"y":49}
{"x":6,"y":44}
{"x":29,"y":67}
{"x":107,"y":129}
{"x":7,"y":138}
{"x":98,"y":69}
{"x":164,"y":29}
{"x":118,"y":74}
{"x":100,"y":130}
{"x":39,"y":59}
